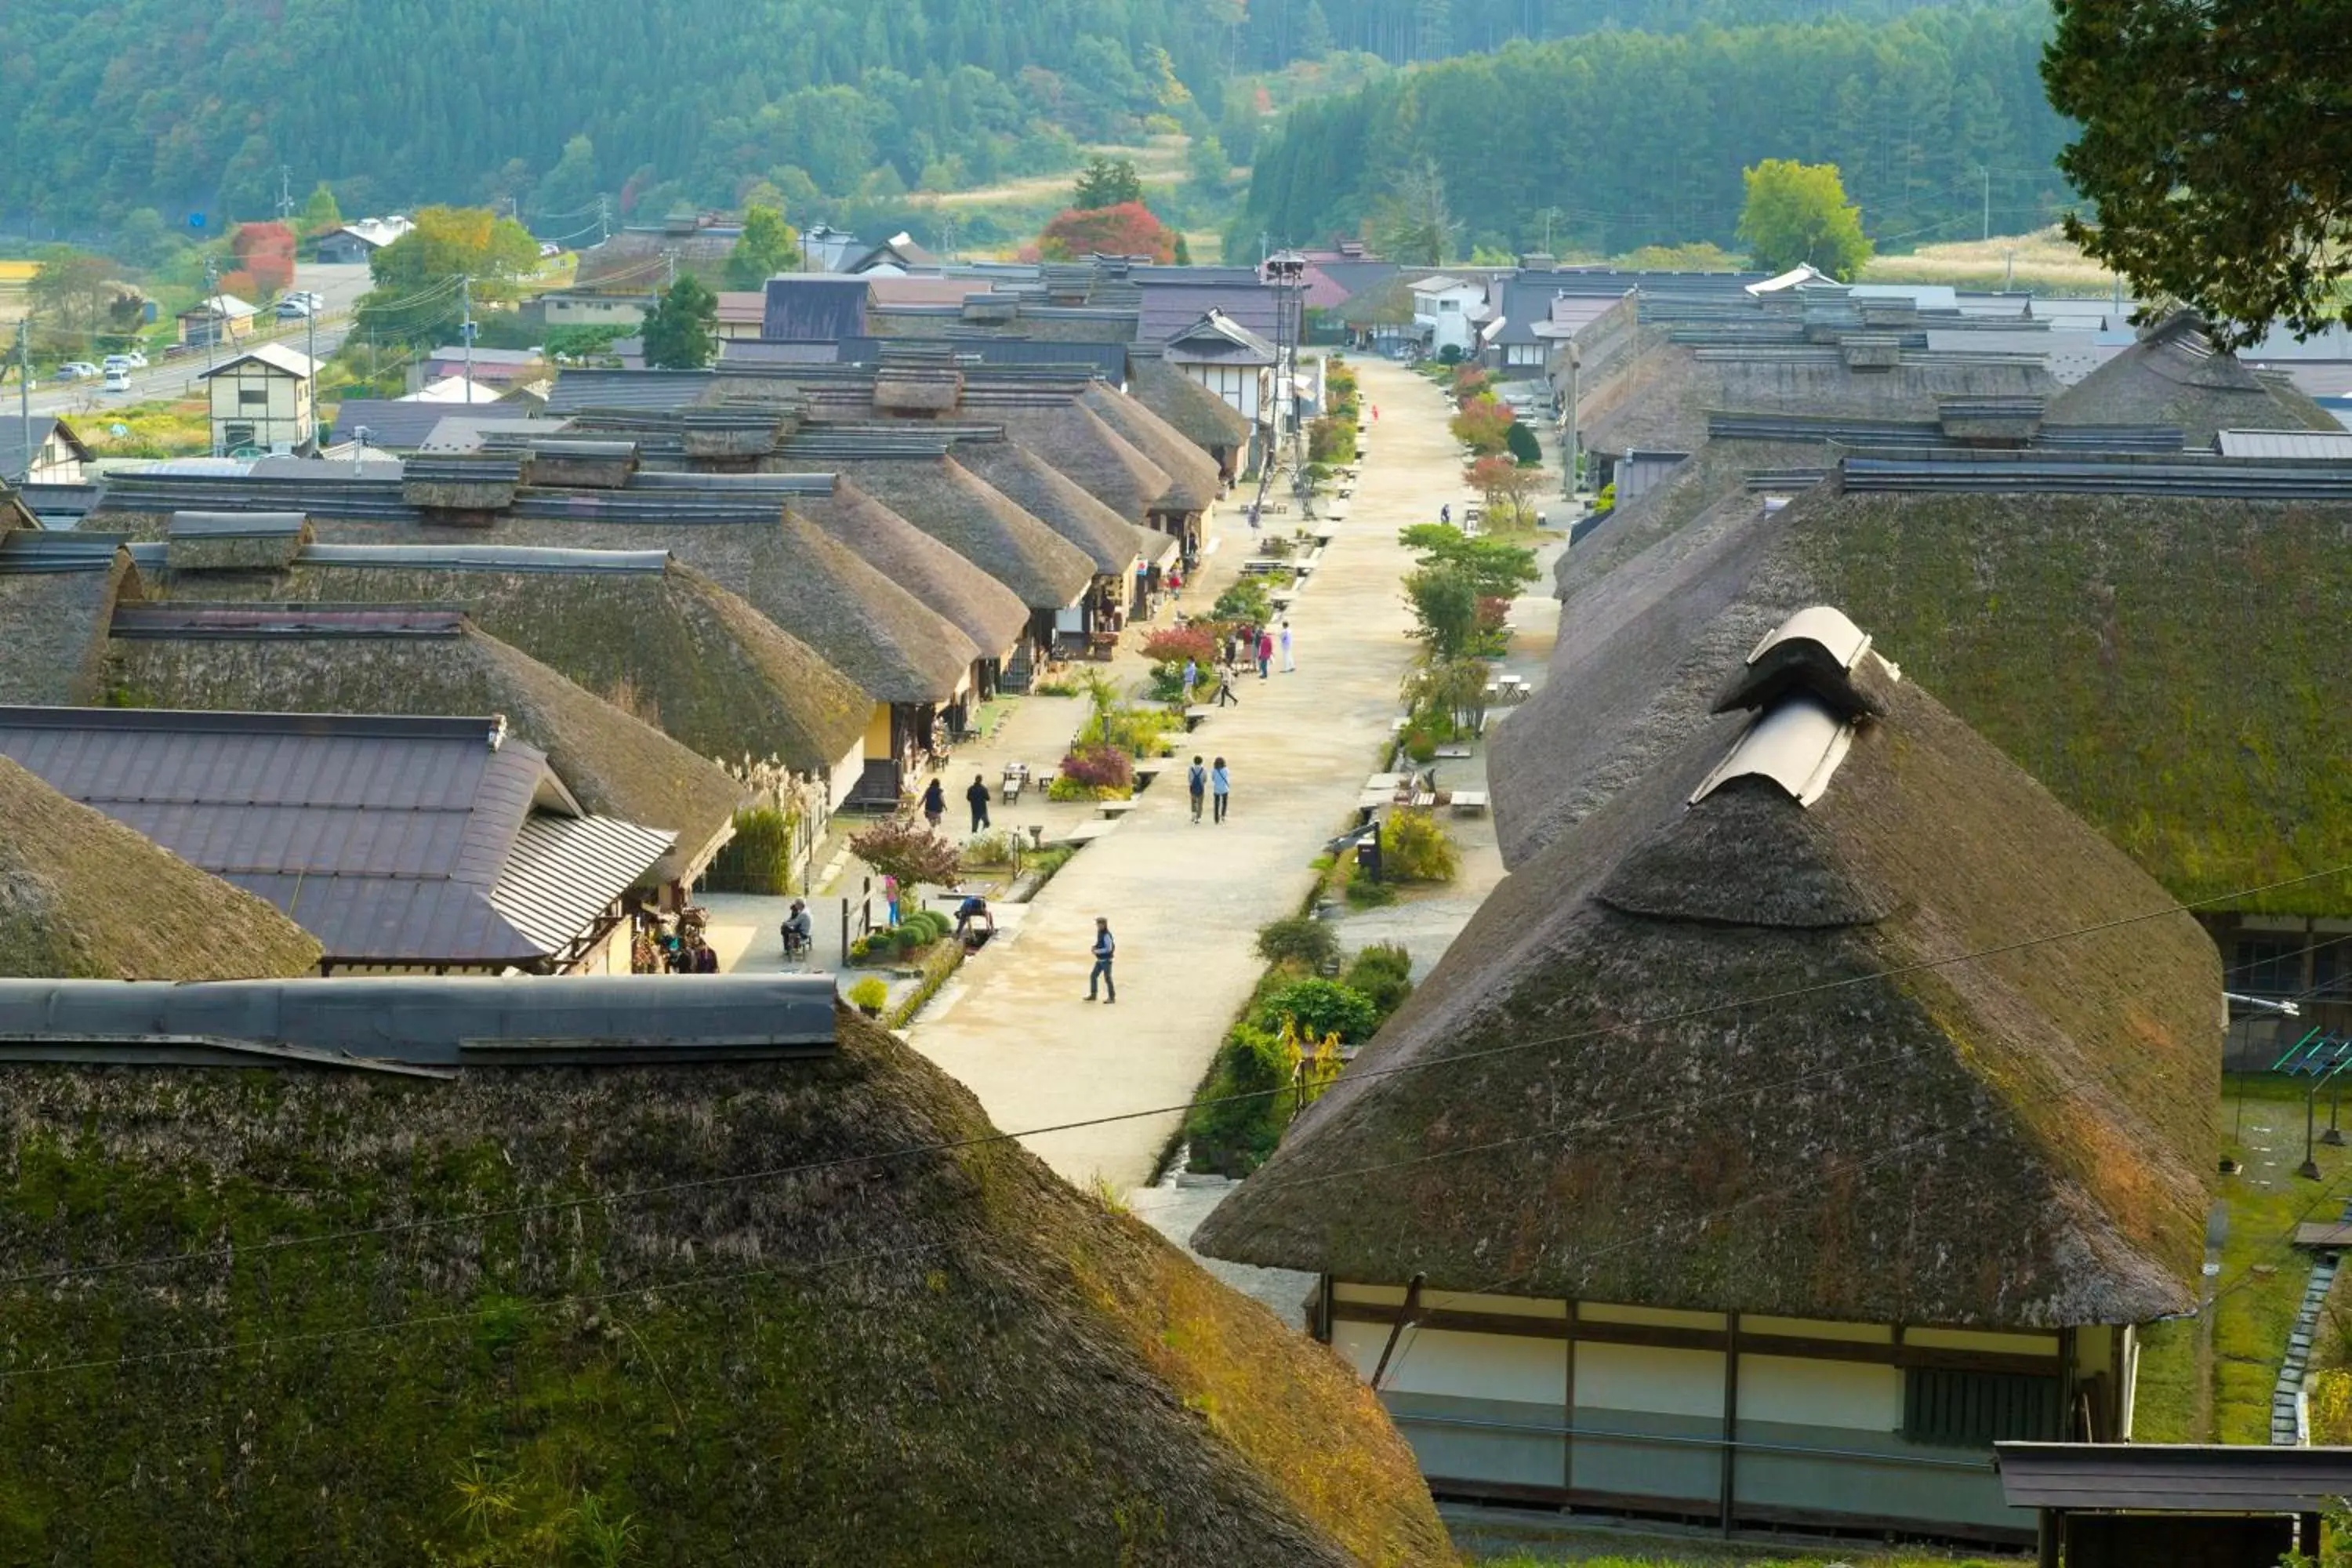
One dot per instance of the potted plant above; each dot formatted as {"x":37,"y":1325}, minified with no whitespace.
{"x":868,"y":996}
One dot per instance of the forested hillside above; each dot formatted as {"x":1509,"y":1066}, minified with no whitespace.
{"x":1633,"y":139}
{"x":195,"y":105}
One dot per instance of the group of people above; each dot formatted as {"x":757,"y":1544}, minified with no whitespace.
{"x":671,"y":944}
{"x":1211,"y":781}
{"x":935,"y":804}
{"x":1255,"y":643}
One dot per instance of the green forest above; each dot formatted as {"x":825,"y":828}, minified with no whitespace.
{"x":206,"y":107}
{"x":1618,"y":140}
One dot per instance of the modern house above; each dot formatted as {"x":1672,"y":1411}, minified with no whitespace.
{"x":55,"y":457}
{"x":572,"y":308}
{"x":355,"y":242}
{"x":1740,"y":1163}
{"x":1447,"y":312}
{"x":263,"y":401}
{"x":403,"y":846}
{"x":1228,"y":359}
{"x":216,"y":320}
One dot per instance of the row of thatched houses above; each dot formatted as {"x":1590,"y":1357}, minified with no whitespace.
{"x":1828,"y":1092}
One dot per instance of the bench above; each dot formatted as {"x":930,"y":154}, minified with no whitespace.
{"x":1112,"y":810}
{"x":1469,"y":802}
{"x":1146,"y":772}
{"x":1079,"y":833}
{"x":1195,"y":714}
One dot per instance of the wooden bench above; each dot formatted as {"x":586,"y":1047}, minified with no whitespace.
{"x":1469,"y":802}
{"x":1079,"y":833}
{"x":1112,"y":810}
{"x":1195,"y":714}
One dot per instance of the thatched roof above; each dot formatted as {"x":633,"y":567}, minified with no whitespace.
{"x":2014,"y":1141}
{"x":1074,"y":439}
{"x":58,"y":591}
{"x":2173,"y":376}
{"x":2160,"y":663}
{"x":1053,"y":499}
{"x":244,"y":657}
{"x":1194,"y":479}
{"x":948,"y":1357}
{"x":83,"y":897}
{"x":976,"y":603}
{"x":1719,"y":469}
{"x":946,"y":501}
{"x":1194,"y":412}
{"x":658,"y":640}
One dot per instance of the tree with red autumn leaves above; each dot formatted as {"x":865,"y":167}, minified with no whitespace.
{"x":266,"y":250}
{"x":1126,"y":230}
{"x":1483,"y":425}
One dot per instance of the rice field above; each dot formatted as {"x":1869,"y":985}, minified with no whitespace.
{"x":2043,"y":261}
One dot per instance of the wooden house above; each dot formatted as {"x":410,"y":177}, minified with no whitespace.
{"x":262,"y":400}
{"x":1714,"y":1173}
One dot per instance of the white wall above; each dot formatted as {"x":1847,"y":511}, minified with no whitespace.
{"x":1467,"y":1366}
{"x":1852,"y":1395}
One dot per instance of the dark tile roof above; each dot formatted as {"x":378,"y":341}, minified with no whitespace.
{"x":392,"y":425}
{"x":1171,"y":305}
{"x":392,"y":840}
{"x":12,"y":440}
{"x":814,"y":308}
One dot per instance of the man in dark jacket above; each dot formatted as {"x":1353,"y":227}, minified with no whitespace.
{"x":978,"y":795}
{"x":1104,"y":949}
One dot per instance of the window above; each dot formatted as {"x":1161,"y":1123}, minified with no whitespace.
{"x":1447,"y":307}
{"x":2331,"y":965}
{"x":253,"y":397}
{"x":235,"y":436}
{"x":1976,"y":1409}
{"x":2267,"y":966}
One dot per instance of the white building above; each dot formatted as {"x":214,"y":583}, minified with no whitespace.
{"x":262,"y":398}
{"x":1446,"y":311}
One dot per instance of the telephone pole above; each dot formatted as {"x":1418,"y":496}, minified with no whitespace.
{"x":604,"y":219}
{"x":1987,"y":172}
{"x":465,"y":331}
{"x":285,"y":193}
{"x":25,"y":391}
{"x":212,"y":304}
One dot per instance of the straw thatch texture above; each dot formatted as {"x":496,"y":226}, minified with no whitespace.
{"x":53,"y":631}
{"x":946,"y":501}
{"x":1716,"y":471}
{"x":2173,"y":376}
{"x":614,"y":764}
{"x":1053,"y":499}
{"x":2015,"y":1141}
{"x":84,"y":898}
{"x":2165,"y":666}
{"x":976,"y":603}
{"x":672,"y":647}
{"x":948,"y":1358}
{"x":232,"y":541}
{"x":1194,"y":481}
{"x":1192,"y":410}
{"x":1074,"y":439}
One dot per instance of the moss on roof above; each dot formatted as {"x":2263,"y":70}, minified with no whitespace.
{"x":2173,"y":376}
{"x":1194,"y":412}
{"x":1194,"y":479}
{"x":53,"y":631}
{"x":950,"y":1358}
{"x":980,"y":607}
{"x":980,"y":522}
{"x":84,"y":898}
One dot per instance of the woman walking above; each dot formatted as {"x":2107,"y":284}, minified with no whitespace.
{"x":935,"y":804}
{"x":1221,"y":784}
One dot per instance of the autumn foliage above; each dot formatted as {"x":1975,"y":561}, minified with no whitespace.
{"x":1483,"y":425}
{"x":1126,"y":230}
{"x":266,"y":250}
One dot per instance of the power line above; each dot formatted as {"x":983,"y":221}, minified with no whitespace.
{"x":1354,"y":1075}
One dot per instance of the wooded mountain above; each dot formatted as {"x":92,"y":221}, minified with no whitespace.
{"x":1637,"y":138}
{"x":196,"y":105}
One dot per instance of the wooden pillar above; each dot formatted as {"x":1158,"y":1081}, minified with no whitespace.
{"x":1567,"y":1419}
{"x":1730,"y":1418}
{"x":2048,"y":1526}
{"x":2307,"y":1536}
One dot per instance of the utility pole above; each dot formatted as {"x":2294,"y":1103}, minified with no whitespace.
{"x":285,"y":193}
{"x":212,"y":304}
{"x":310,"y":326}
{"x":670,"y":268}
{"x":25,"y":390}
{"x":604,"y":219}
{"x":465,"y":331}
{"x":1987,"y":172}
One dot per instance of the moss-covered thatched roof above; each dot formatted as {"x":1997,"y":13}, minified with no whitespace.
{"x":979,"y":523}
{"x":976,"y":603}
{"x":84,"y":898}
{"x":2171,"y":669}
{"x":2173,"y":376}
{"x":1053,"y":499}
{"x":928,"y":1359}
{"x":1194,"y":412}
{"x":1194,"y":479}
{"x":54,"y":608}
{"x":2017,"y":1140}
{"x":1074,"y":439}
{"x":249,"y":659}
{"x":668,"y":645}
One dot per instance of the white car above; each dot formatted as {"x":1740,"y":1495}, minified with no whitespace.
{"x":117,"y":380}
{"x":293,"y":309}
{"x":138,"y":360}
{"x":76,"y":370}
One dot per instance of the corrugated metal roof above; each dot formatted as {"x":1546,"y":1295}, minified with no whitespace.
{"x":2304,"y":444}
{"x":562,"y":873}
{"x":26,"y":551}
{"x":814,"y":307}
{"x":480,"y":558}
{"x":423,"y":1021}
{"x":182,"y":620}
{"x":236,"y":524}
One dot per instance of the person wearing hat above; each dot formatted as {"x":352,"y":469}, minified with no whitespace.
{"x":1104,"y":949}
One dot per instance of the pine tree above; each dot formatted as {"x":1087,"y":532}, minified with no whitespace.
{"x":681,"y":329}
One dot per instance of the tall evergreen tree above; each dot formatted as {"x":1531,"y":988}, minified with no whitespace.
{"x":682,"y":328}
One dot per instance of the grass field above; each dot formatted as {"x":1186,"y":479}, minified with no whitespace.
{"x":2043,"y":261}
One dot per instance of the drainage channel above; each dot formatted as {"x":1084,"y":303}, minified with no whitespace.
{"x":2290,"y":1415}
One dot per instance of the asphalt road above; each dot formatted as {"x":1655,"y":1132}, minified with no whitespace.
{"x":340,"y":287}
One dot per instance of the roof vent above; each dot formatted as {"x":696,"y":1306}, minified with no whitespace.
{"x":1797,"y":745}
{"x":1816,"y":652}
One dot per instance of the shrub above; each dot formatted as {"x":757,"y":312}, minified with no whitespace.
{"x":1297,"y":938}
{"x":905,"y":940}
{"x":1363,"y":893}
{"x":1095,"y":772}
{"x":759,"y":857}
{"x":868,"y":996}
{"x":1383,"y":973}
{"x":1444,"y":599}
{"x":1520,"y":442}
{"x":1245,"y":600}
{"x":1239,"y":1120}
{"x":1415,"y":848}
{"x":1449,"y":356}
{"x":1177,"y":644}
{"x":904,"y":847}
{"x":1331,"y":439}
{"x":1320,"y":1007}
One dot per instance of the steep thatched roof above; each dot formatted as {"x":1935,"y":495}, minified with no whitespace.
{"x":658,"y":640}
{"x":1194,"y":412}
{"x":946,"y":501}
{"x":1053,"y":499}
{"x":1194,"y":479}
{"x":1714,"y":473}
{"x":948,"y":1357}
{"x":244,"y":657}
{"x":976,"y":603}
{"x":83,"y":897}
{"x":2014,"y":1141}
{"x":2162,"y":664}
{"x":1074,"y":439}
{"x":58,"y":590}
{"x":2173,"y":376}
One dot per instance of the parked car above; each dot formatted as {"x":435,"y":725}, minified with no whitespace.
{"x":291,"y":308}
{"x":76,"y":370}
{"x":116,"y":362}
{"x":138,"y":360}
{"x":118,"y":381}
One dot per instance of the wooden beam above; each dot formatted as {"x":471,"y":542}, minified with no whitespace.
{"x":1730,"y":1419}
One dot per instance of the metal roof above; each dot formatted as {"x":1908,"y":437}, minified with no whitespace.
{"x":420,"y":1021}
{"x":26,"y":550}
{"x":236,"y":524}
{"x":277,"y":356}
{"x":2172,"y":1477}
{"x":481,"y":558}
{"x":2327,"y":445}
{"x":1797,"y":745}
{"x":180,"y":620}
{"x":1823,"y":625}
{"x":562,"y":871}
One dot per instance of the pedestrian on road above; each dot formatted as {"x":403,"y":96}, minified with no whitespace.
{"x":1196,"y":783}
{"x":1290,"y":665}
{"x":1191,"y":678}
{"x":1445,"y":514}
{"x":1103,"y":949}
{"x":1376,"y":413}
{"x":890,"y":898}
{"x":1225,"y":678}
{"x":978,"y":795}
{"x":1221,"y":784}
{"x":1264,"y":653}
{"x":935,"y":804}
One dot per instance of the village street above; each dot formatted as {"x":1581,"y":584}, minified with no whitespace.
{"x":1185,"y":901}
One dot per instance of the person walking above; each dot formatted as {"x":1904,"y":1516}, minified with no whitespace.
{"x":1445,"y":513}
{"x":1221,"y":786}
{"x":1191,"y":678}
{"x":978,"y":795}
{"x":1225,"y":678}
{"x":1290,"y":665}
{"x":1265,"y":654}
{"x":1196,"y":783}
{"x":890,"y":898}
{"x":935,"y":804}
{"x":1103,"y":949}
